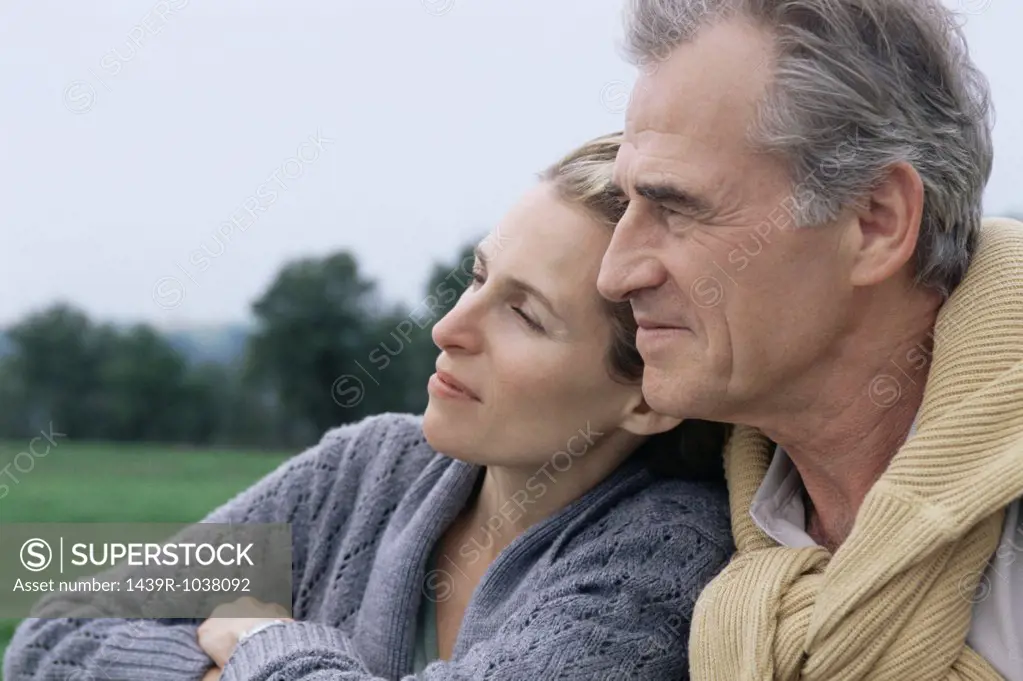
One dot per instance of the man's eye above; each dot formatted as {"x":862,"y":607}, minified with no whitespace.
{"x":676,"y":220}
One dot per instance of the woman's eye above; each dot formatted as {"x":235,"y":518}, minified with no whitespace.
{"x":478,"y":279}
{"x":529,"y":321}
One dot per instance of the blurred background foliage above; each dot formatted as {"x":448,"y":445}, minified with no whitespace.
{"x":141,"y":425}
{"x":268,"y":386}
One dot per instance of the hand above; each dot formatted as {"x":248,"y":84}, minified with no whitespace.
{"x":218,"y":635}
{"x":213,"y":674}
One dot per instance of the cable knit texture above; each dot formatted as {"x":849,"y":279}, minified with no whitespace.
{"x":602,"y":590}
{"x":894,"y":602}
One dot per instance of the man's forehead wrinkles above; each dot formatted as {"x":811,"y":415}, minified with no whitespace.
{"x":663,"y":143}
{"x":652,"y":169}
{"x":655,"y":158}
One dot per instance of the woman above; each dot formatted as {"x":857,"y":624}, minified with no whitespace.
{"x":543,"y":543}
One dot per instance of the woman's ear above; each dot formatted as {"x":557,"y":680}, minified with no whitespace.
{"x":642,"y":420}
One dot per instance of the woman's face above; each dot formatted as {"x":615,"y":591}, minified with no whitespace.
{"x":529,"y":340}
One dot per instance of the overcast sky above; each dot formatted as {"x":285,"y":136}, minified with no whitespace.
{"x":134,"y":130}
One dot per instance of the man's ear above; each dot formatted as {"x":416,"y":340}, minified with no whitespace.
{"x":642,"y":420}
{"x":887,"y":226}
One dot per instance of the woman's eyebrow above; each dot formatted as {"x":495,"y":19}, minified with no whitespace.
{"x":477,"y":251}
{"x":517,"y":284}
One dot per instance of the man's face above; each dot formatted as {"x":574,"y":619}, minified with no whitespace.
{"x":734,"y":304}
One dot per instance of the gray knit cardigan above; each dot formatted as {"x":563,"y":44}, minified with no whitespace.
{"x":604,"y":589}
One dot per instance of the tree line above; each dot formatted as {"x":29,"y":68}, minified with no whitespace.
{"x":325,"y":350}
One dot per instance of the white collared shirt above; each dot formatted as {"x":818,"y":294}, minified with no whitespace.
{"x":996,"y":632}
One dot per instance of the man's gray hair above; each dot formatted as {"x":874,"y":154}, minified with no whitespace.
{"x":857,"y":86}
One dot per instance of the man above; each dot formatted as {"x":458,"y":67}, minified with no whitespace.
{"x":804,"y":253}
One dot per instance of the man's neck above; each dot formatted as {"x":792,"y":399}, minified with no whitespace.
{"x":840,"y":466}
{"x":843,"y":435}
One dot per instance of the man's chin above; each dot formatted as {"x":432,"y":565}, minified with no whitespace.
{"x":670,"y":392}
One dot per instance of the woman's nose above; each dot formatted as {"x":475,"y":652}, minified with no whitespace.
{"x":459,"y":329}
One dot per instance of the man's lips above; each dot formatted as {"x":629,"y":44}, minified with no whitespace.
{"x":661,"y":327}
{"x":648,"y":324}
{"x":653,"y":333}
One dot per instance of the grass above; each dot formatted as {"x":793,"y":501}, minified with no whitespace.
{"x":102,"y":482}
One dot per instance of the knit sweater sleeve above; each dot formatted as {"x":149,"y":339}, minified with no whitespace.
{"x":167,"y":649}
{"x":620,"y":609}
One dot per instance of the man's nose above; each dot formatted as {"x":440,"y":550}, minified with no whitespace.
{"x":630,"y":263}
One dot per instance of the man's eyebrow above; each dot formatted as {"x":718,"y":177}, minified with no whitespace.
{"x":663,"y":193}
{"x":519,"y":285}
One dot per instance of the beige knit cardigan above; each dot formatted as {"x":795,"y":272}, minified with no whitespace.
{"x":894,"y":602}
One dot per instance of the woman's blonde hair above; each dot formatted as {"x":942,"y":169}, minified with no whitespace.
{"x":583,"y":178}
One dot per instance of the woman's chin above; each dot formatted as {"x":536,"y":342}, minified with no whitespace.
{"x":441,"y":431}
{"x":451,"y":437}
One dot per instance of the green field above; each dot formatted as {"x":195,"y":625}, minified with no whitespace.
{"x":92,"y":482}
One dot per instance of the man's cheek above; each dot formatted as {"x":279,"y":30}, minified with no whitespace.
{"x":707,"y":291}
{"x":699,"y":280}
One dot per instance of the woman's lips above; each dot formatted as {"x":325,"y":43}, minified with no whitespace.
{"x":444,"y":384}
